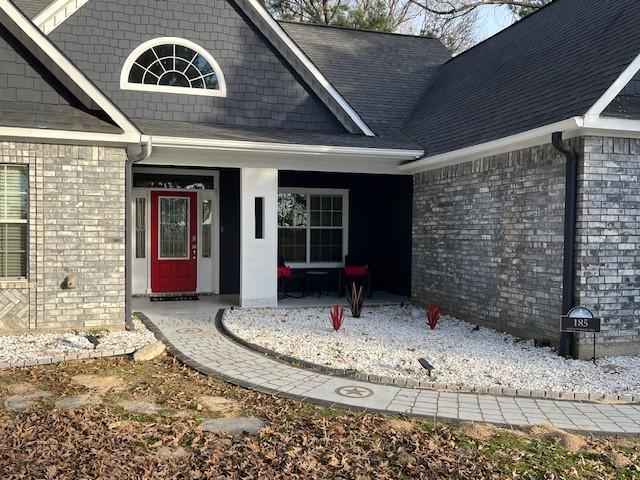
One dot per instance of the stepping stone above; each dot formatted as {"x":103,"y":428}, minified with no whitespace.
{"x":233,"y":426}
{"x":21,"y":388}
{"x":149,"y":352}
{"x":166,"y":453}
{"x":19,"y":403}
{"x":77,"y":401}
{"x":219,"y":405}
{"x":97,"y":382}
{"x":140,"y":406}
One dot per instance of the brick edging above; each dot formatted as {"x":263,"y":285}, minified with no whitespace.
{"x":67,"y":358}
{"x":407,"y":383}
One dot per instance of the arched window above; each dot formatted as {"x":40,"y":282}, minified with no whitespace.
{"x":172,"y":65}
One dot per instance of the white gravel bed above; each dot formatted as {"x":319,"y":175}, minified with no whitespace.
{"x":41,"y":346}
{"x":388,"y":340}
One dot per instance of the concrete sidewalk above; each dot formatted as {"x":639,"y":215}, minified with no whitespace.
{"x":191,"y":335}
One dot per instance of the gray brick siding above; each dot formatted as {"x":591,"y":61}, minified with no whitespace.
{"x":262,"y":90}
{"x":488,"y":241}
{"x":608,"y":241}
{"x":76,"y":225}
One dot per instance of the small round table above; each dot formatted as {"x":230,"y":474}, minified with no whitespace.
{"x":316,"y":280}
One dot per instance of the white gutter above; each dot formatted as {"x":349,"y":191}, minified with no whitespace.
{"x":527,"y":139}
{"x":246,"y":146}
{"x":40,"y":135}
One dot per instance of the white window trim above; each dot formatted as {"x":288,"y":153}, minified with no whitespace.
{"x":16,"y":221}
{"x":143,"y":47}
{"x":345,"y":225}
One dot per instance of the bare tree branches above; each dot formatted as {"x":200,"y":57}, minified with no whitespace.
{"x":457,"y":8}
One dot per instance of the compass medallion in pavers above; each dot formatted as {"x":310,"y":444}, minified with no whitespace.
{"x":352,"y":391}
{"x":189,"y":330}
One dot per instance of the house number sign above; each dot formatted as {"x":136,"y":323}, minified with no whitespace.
{"x":580,"y":319}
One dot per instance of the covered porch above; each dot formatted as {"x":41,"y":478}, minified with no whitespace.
{"x":207,"y":225}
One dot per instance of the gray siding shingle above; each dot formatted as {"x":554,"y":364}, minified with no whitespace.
{"x":262,"y":91}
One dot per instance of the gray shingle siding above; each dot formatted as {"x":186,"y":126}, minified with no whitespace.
{"x":627,"y":103}
{"x":262,"y":91}
{"x":31,"y":97}
{"x":32,"y":8}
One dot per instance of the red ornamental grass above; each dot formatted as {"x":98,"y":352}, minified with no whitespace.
{"x":337,"y":316}
{"x":433,"y":315}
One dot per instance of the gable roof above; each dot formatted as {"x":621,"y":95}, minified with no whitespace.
{"x":77,"y":104}
{"x":382,"y":75}
{"x":550,"y":66}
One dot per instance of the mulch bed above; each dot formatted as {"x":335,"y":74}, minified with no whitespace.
{"x":300,"y":441}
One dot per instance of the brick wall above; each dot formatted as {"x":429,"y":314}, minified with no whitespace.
{"x":76,"y":225}
{"x":488,"y":241}
{"x":608,"y":242}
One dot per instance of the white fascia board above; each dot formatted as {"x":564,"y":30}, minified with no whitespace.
{"x":240,"y":145}
{"x":42,"y":135}
{"x":56,"y":13}
{"x":616,"y":87}
{"x":36,"y":36}
{"x":526,"y":139}
{"x":266,"y":16}
{"x":615,"y":127}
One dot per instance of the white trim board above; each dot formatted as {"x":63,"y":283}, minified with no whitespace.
{"x":616,"y":87}
{"x":309,"y":65}
{"x":43,"y":135}
{"x":241,"y":145}
{"x":571,"y":128}
{"x":56,"y":13}
{"x":34,"y":40}
{"x":221,"y":91}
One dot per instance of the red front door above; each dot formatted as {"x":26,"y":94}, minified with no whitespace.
{"x":174,"y":264}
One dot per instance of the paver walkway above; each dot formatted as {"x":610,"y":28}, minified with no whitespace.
{"x":194,"y":339}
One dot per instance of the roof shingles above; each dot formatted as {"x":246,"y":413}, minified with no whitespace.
{"x":546,"y":68}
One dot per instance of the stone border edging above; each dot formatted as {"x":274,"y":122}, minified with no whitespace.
{"x":66,"y":358}
{"x":408,"y":383}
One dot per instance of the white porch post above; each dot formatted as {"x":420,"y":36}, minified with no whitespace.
{"x":258,"y":256}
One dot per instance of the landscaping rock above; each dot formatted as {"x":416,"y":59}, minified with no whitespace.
{"x":220,"y":405}
{"x":97,"y":382}
{"x":19,"y":403}
{"x":140,"y":406}
{"x":77,"y":401}
{"x":75,"y":341}
{"x":233,"y":426}
{"x":149,"y":352}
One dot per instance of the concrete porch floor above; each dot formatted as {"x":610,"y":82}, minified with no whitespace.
{"x":212,"y":303}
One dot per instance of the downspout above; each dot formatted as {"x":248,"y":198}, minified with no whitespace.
{"x":132,"y":157}
{"x":569,"y":264}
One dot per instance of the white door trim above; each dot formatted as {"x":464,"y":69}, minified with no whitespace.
{"x":138,"y":270}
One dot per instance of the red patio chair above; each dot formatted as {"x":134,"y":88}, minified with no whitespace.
{"x":356,"y":271}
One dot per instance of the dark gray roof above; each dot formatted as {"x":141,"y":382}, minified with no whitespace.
{"x":31,"y":8}
{"x":56,"y":117}
{"x":550,"y":66}
{"x":270,"y":135}
{"x":381,"y":75}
